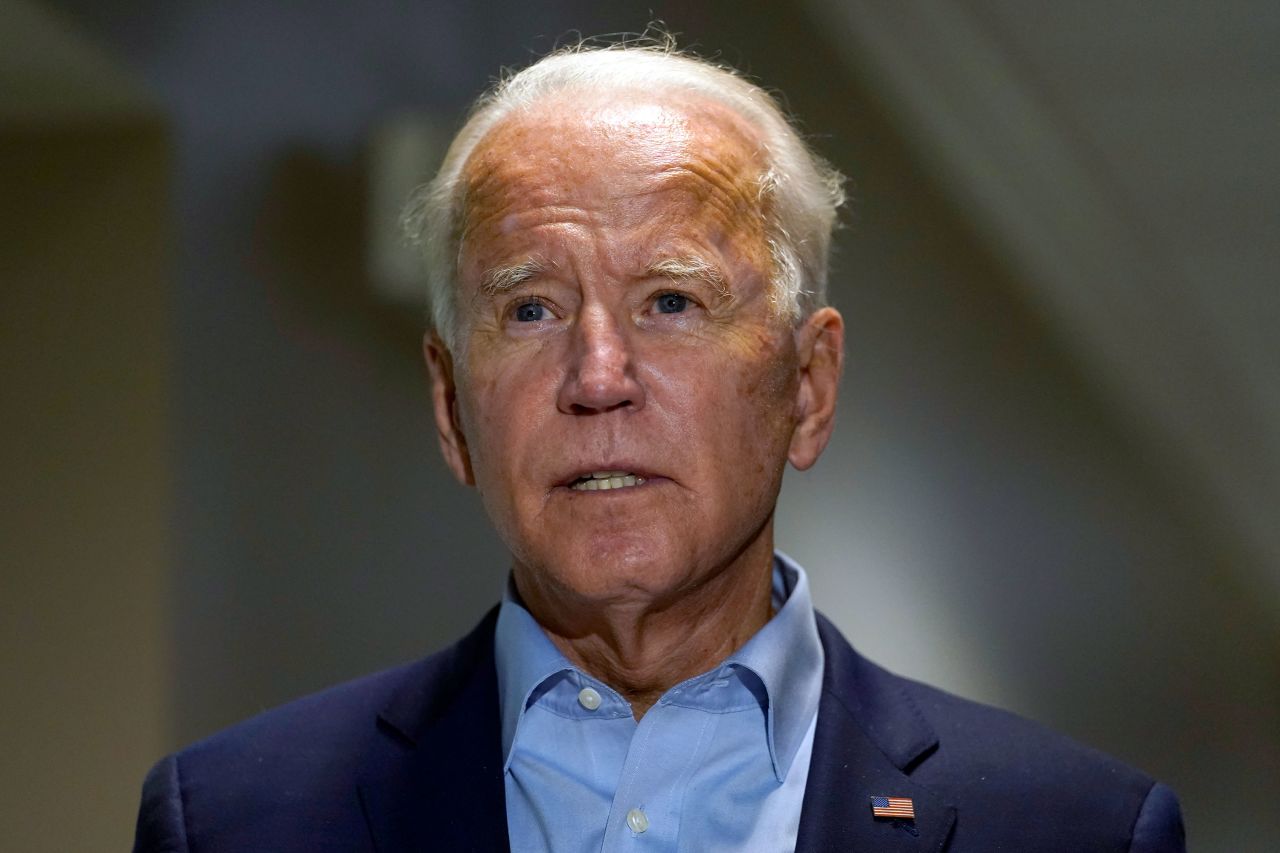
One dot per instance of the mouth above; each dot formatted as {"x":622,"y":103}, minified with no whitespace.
{"x":599,"y":481}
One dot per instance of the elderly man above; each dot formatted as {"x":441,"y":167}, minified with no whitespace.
{"x":627,"y":250}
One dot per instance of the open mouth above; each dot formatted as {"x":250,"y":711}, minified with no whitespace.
{"x":599,"y":481}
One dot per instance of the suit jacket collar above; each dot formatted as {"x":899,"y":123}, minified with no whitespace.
{"x":870,"y":738}
{"x":433,"y":779}
{"x":433,"y":776}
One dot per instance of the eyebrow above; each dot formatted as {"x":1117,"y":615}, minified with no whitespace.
{"x":692,"y":267}
{"x":510,"y":276}
{"x":507,"y":277}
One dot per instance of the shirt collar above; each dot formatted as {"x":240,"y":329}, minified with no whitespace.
{"x":525,"y":658}
{"x":785,"y":655}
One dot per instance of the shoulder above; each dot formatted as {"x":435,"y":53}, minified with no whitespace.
{"x":257,"y":781}
{"x":318,"y":730}
{"x":1000,"y":746}
{"x":1014,"y":783}
{"x":294,"y":738}
{"x":294,"y":769}
{"x":974,"y":736}
{"x":1022,"y":783}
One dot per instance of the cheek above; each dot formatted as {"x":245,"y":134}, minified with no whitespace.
{"x":770,"y":385}
{"x":478,"y":392}
{"x":492,"y":419}
{"x":503,"y":401}
{"x":757,"y":370}
{"x":739,"y":398}
{"x":763,"y":409}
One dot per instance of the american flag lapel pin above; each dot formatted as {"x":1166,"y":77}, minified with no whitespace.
{"x":899,"y":807}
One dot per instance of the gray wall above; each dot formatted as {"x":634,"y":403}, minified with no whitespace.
{"x":86,"y":690}
{"x":982,"y":520}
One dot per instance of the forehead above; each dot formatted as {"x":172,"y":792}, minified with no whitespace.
{"x":614,"y":156}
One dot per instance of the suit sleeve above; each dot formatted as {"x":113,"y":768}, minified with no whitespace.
{"x":161,"y":824}
{"x":1158,"y":828}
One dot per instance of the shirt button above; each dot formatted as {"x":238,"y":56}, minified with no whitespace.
{"x":588,"y":698}
{"x":637,"y":821}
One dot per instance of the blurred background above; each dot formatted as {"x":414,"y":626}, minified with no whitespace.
{"x":1055,"y":482}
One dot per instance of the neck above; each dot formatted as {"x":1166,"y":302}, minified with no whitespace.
{"x":642,"y":649}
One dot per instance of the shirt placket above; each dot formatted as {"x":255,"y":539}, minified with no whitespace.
{"x":649,"y":801}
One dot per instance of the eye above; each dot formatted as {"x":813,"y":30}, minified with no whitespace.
{"x":530,"y":312}
{"x":672,"y":303}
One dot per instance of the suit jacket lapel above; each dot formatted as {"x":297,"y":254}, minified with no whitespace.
{"x":433,"y":776}
{"x":869,"y":738}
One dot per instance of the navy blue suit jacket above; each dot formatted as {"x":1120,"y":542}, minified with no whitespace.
{"x":410,"y":759}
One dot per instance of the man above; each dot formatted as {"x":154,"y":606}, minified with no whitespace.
{"x":627,"y":251}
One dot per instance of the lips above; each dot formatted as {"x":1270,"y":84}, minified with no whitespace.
{"x":605,"y":475}
{"x":600,"y":481}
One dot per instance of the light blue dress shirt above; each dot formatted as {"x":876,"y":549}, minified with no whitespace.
{"x":718,"y":763}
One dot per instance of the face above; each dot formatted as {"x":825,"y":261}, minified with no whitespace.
{"x":625,"y":394}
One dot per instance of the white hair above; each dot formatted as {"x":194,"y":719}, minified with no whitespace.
{"x":799,"y":192}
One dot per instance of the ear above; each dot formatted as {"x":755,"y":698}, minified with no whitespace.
{"x":820,"y":353}
{"x":444,"y":401}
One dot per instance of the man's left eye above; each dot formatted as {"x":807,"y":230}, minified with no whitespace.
{"x":530,"y":312}
{"x":672,"y":303}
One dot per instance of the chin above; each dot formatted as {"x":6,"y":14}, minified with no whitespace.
{"x":610,"y":567}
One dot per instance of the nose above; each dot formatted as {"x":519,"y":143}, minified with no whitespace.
{"x":601,"y":375}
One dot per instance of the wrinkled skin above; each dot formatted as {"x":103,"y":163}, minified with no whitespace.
{"x":590,"y":359}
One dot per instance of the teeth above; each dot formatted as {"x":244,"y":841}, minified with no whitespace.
{"x":604,"y":480}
